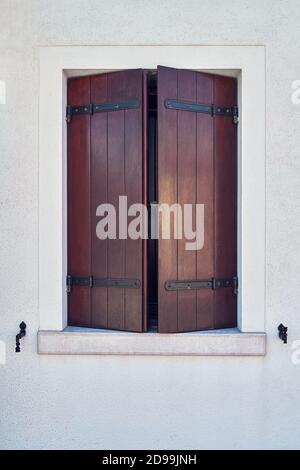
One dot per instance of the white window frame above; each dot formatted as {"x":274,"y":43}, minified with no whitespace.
{"x":55,"y":64}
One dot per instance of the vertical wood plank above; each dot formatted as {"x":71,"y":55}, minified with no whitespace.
{"x":134,"y":190}
{"x":116,"y":187}
{"x":99,"y":195}
{"x":167,"y":193}
{"x":208,"y":146}
{"x":79,"y":239}
{"x":145,"y":199}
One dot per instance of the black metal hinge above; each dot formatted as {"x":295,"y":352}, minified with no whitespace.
{"x":203,"y":284}
{"x":212,"y":109}
{"x":100,"y":108}
{"x":90,"y":281}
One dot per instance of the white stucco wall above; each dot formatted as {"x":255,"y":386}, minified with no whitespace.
{"x":146,"y":402}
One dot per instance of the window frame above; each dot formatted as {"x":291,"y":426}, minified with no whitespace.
{"x":56,"y":63}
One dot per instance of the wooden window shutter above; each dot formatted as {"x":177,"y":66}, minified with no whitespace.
{"x":197,"y":163}
{"x":106,"y":159}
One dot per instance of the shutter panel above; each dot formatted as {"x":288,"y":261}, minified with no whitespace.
{"x":79,"y":238}
{"x":197,"y":155}
{"x":112,"y":163}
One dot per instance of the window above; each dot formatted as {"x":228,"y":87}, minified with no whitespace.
{"x":165,"y":135}
{"x":57,"y":64}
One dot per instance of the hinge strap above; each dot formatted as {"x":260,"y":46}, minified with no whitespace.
{"x":212,"y":109}
{"x":90,"y":281}
{"x":100,"y":108}
{"x":203,"y":284}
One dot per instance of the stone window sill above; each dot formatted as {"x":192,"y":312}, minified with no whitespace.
{"x":76,"y":341}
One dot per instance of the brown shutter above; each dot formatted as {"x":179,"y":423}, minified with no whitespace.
{"x":79,"y":230}
{"x":106,"y":158}
{"x":197,"y":155}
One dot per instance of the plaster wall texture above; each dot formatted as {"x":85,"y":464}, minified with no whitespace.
{"x":139,"y":401}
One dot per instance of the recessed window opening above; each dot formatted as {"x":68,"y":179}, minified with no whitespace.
{"x":163,"y":137}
